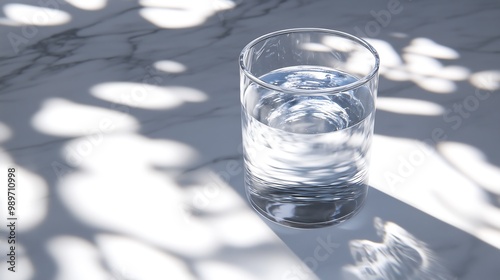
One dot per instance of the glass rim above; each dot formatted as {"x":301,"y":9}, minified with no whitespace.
{"x":358,"y":83}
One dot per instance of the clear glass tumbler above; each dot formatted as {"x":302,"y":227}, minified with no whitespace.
{"x":308,"y":103}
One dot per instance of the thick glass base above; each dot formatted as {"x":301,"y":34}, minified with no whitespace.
{"x":307,"y":214}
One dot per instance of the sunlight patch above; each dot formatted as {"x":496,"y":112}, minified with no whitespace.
{"x":9,"y":22}
{"x":190,"y":4}
{"x":76,"y":258}
{"x":89,"y":5}
{"x":487,"y":80}
{"x":33,"y":15}
{"x":472,"y":162}
{"x":338,"y":44}
{"x":422,"y":65}
{"x":215,"y":270}
{"x":34,"y":192}
{"x":24,"y":269}
{"x":66,"y":118}
{"x":132,"y":259}
{"x":172,"y":19}
{"x":435,"y":85}
{"x":181,"y":14}
{"x":131,"y":170}
{"x":427,"y":47}
{"x":5,"y":132}
{"x":389,"y":57}
{"x":315,"y":47}
{"x":170,"y":66}
{"x":146,"y":96}
{"x":409,"y":106}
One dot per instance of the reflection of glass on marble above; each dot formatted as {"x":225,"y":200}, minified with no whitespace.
{"x":399,"y":256}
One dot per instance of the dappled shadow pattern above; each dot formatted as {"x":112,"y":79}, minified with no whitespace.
{"x":118,"y":114}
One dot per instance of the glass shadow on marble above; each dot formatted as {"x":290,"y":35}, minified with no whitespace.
{"x":388,"y":239}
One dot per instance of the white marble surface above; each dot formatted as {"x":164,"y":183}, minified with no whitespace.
{"x":122,"y":120}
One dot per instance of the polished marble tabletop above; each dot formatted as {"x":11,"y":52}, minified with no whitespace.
{"x":122,"y":120}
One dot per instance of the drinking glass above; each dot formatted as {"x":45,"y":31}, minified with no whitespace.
{"x":308,"y":103}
